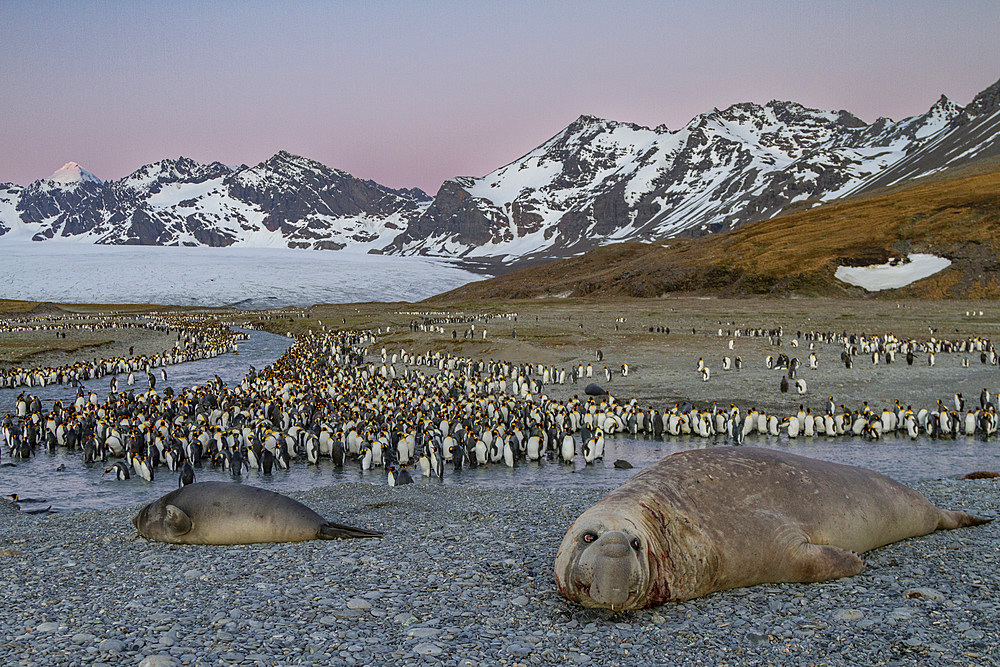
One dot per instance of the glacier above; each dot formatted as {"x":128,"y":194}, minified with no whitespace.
{"x":246,"y":278}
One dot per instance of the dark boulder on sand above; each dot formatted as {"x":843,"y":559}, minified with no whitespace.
{"x":981,"y":474}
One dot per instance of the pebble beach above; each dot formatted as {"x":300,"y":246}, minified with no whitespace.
{"x":463,"y":576}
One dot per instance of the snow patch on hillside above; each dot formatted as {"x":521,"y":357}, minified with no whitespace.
{"x":890,"y":276}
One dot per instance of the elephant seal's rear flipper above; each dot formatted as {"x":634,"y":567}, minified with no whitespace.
{"x":954,"y":519}
{"x":337,"y":531}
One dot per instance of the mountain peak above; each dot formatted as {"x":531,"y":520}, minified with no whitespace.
{"x":71,"y":172}
{"x":944,"y":105}
{"x":287,"y":163}
{"x":986,"y":102}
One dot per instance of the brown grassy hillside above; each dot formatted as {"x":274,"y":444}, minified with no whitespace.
{"x":956,"y":217}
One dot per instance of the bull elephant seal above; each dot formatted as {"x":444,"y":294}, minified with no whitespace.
{"x":713,"y":519}
{"x":230,"y":513}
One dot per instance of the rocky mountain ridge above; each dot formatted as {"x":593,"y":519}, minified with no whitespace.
{"x":286,"y":200}
{"x":602,"y":181}
{"x":598,"y":181}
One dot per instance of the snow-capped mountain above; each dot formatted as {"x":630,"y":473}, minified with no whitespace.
{"x":70,"y":173}
{"x":285,"y":201}
{"x":601,"y":181}
{"x":598,"y":181}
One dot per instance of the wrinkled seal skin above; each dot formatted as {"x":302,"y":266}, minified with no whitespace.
{"x":230,"y":513}
{"x":713,"y":519}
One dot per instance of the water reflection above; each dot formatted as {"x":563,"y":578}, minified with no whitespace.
{"x":82,"y":487}
{"x":259,"y":350}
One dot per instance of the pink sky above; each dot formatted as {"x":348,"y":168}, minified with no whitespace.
{"x":409,"y":94}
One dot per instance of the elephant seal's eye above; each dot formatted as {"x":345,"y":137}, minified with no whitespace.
{"x":589,"y":537}
{"x":635,"y":543}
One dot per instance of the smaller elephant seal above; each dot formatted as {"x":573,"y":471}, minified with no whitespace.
{"x":231,"y":513}
{"x":713,"y":519}
{"x":593,"y":389}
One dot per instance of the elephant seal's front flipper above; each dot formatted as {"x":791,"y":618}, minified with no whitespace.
{"x":823,"y":562}
{"x":176,"y":522}
{"x":338,"y":531}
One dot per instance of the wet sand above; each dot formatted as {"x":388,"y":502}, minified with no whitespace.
{"x":81,"y":345}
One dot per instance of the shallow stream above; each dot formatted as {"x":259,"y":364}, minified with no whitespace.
{"x":63,"y":482}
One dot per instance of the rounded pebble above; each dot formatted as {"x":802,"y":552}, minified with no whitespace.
{"x":159,"y":661}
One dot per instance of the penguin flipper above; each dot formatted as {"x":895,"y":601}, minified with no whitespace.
{"x":338,"y":531}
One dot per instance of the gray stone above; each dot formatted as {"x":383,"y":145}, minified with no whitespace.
{"x":519,"y":650}
{"x":924,"y":594}
{"x":848,"y":615}
{"x":423,"y":632}
{"x":427,"y":648}
{"x":901,"y":614}
{"x":109,"y":645}
{"x":159,"y":660}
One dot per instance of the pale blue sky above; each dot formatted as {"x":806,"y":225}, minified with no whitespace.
{"x":411,"y":93}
